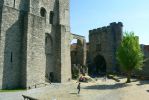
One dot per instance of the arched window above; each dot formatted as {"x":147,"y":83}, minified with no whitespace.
{"x":43,"y":12}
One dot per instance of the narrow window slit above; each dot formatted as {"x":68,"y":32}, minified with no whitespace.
{"x":14,"y":3}
{"x":11,"y":57}
{"x":51,"y":17}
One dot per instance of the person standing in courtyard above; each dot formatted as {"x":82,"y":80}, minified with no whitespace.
{"x":79,"y":87}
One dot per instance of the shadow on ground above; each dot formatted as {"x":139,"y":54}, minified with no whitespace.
{"x":143,"y":82}
{"x":73,"y":93}
{"x":106,"y":87}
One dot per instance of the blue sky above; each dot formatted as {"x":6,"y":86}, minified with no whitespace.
{"x":90,"y":14}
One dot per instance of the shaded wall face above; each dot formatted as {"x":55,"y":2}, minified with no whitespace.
{"x":17,"y":4}
{"x":49,"y":57}
{"x":1,"y":2}
{"x":104,"y":41}
{"x":145,"y":68}
{"x":73,"y":57}
{"x":77,"y":55}
{"x":1,"y":51}
{"x":11,"y":35}
{"x":33,"y":65}
{"x":10,"y":40}
{"x":99,"y":65}
{"x":1,"y":69}
{"x":80,"y":54}
{"x":60,"y":35}
{"x":100,"y":45}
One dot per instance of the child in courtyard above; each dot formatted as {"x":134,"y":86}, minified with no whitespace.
{"x":79,"y":87}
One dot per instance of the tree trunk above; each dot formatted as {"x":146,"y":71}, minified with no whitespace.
{"x":128,"y":77}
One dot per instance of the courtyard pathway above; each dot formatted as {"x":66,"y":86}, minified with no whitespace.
{"x":99,"y":90}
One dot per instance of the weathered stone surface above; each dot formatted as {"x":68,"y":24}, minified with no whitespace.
{"x":11,"y":47}
{"x":145,"y":68}
{"x":78,"y":50}
{"x":104,"y":42}
{"x":34,"y":42}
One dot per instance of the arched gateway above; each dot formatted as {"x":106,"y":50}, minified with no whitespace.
{"x":100,"y":65}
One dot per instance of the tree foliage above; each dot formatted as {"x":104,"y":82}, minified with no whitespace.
{"x":129,"y":54}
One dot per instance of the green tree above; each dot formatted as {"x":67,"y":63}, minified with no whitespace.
{"x":129,"y":54}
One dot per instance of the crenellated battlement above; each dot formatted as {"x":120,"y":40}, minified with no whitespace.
{"x":112,"y":26}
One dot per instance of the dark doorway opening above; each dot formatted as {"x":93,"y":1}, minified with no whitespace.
{"x":49,"y":72}
{"x":43,"y":12}
{"x":99,"y":65}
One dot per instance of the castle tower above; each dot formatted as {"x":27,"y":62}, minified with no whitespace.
{"x":11,"y":34}
{"x":34,"y":42}
{"x":103,"y":43}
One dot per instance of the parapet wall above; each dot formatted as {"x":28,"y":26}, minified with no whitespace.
{"x":115,"y":27}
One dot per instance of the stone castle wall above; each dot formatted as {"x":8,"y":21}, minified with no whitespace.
{"x":78,"y":50}
{"x":33,"y":46}
{"x":11,"y":36}
{"x":104,"y":41}
{"x":65,"y":40}
{"x":17,"y":4}
{"x":145,"y":68}
{"x":1,"y":68}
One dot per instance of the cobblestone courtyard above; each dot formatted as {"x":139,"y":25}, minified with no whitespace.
{"x":99,"y":90}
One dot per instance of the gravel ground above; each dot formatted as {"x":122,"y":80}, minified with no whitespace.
{"x":99,"y":90}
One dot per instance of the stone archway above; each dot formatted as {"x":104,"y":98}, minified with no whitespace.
{"x":49,"y":58}
{"x":100,"y":65}
{"x":78,"y":53}
{"x":80,"y":48}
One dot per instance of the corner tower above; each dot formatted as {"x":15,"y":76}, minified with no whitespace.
{"x":34,"y":42}
{"x":11,"y":35}
{"x":48,"y":38}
